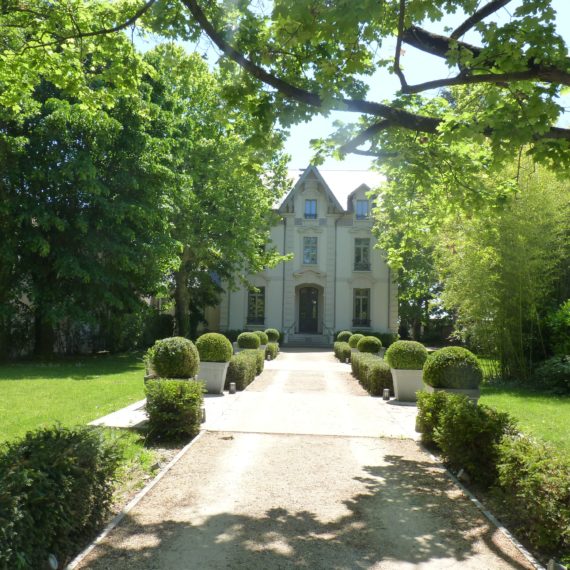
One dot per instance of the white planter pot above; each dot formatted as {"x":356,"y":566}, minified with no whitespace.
{"x":473,"y":394}
{"x":353,"y":350}
{"x":262,"y":347}
{"x":382,"y":352}
{"x":407,"y":383}
{"x":236,"y":347}
{"x":214,"y":375}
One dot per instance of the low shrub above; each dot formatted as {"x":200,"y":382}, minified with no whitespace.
{"x":263,"y":338}
{"x":369,"y":344}
{"x":554,"y":375}
{"x":174,"y":357}
{"x":214,"y":347}
{"x":232,"y":334}
{"x":430,"y":407}
{"x":406,"y":355}
{"x":358,"y":362}
{"x":259,"y":356}
{"x":273,"y":335}
{"x":343,"y":336}
{"x":385,"y":338}
{"x":342,"y":351}
{"x":536,"y":484}
{"x":242,"y":370}
{"x":378,"y":377}
{"x":248,"y":340}
{"x":174,"y":408}
{"x":558,"y":324}
{"x":453,"y":367}
{"x":468,"y":436}
{"x":56,"y":491}
{"x":271,"y":350}
{"x":353,"y":340}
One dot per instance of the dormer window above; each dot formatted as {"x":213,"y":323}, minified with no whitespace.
{"x":310,"y":209}
{"x":362,"y":209}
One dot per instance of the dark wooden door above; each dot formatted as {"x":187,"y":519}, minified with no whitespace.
{"x":308,"y":310}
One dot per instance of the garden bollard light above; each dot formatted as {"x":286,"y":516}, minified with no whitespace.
{"x":386,"y":394}
{"x":203,"y":414}
{"x":232,"y":387}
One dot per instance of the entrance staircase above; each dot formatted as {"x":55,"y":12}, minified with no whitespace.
{"x":308,"y":340}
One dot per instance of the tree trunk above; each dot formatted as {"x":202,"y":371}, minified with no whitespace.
{"x":182,"y":296}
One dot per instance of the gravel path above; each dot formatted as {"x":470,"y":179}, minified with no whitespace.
{"x":329,"y":493}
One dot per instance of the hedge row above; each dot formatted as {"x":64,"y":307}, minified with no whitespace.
{"x":372,"y":372}
{"x":532,"y":477}
{"x":385,"y":338}
{"x":342,"y":351}
{"x":271,"y":350}
{"x":244,"y":367}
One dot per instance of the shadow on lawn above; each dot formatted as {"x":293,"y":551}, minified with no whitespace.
{"x":409,"y":512}
{"x":75,"y":368}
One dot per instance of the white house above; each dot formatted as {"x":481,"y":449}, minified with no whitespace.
{"x":336,"y":279}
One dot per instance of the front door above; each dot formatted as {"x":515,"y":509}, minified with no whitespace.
{"x":308,"y":310}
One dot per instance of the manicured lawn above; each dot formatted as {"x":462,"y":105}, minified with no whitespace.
{"x":70,"y":391}
{"x":542,"y":415}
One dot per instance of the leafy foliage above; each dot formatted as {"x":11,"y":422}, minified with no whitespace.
{"x":558,"y":323}
{"x":554,"y":375}
{"x":174,"y":357}
{"x":214,"y":347}
{"x":343,"y":336}
{"x":452,"y":367}
{"x":353,"y":340}
{"x":273,"y":335}
{"x":57,"y":486}
{"x":242,"y":369}
{"x":259,"y":356}
{"x":263,"y":338}
{"x":248,"y":340}
{"x":369,"y":344}
{"x":271,"y":350}
{"x":430,"y":408}
{"x":342,"y":351}
{"x":174,"y":408}
{"x":406,"y":355}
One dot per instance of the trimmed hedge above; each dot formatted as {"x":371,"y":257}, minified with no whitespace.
{"x":430,"y":407}
{"x":263,"y":338}
{"x":174,"y":357}
{"x":271,"y":350}
{"x":353,"y":340}
{"x":406,"y":355}
{"x":342,"y":351}
{"x":56,"y":491}
{"x":369,"y":344}
{"x":259,"y":356}
{"x":248,"y":340}
{"x":452,"y":367}
{"x":372,"y":372}
{"x":343,"y":336}
{"x":214,"y":347}
{"x":242,"y":370}
{"x":385,"y":338}
{"x":273,"y":335}
{"x":174,"y":408}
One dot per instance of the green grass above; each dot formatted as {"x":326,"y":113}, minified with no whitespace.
{"x":70,"y":391}
{"x":542,"y":415}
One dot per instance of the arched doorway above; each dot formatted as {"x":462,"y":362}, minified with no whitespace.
{"x":308,"y":310}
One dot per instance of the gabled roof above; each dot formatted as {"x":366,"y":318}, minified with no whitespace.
{"x":341,"y":184}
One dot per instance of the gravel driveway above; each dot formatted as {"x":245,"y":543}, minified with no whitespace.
{"x":293,"y":474}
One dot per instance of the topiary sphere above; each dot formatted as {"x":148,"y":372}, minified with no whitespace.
{"x":353,"y":340}
{"x":343,"y":336}
{"x":214,"y":347}
{"x":263,"y":339}
{"x":174,"y":357}
{"x":248,"y":340}
{"x":369,"y":344}
{"x":406,"y":355}
{"x":273,"y":335}
{"x":453,"y":367}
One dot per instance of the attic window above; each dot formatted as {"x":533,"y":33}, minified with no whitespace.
{"x":362,"y":209}
{"x":310,"y":209}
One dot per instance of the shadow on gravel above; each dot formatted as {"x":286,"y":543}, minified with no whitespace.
{"x":409,"y":513}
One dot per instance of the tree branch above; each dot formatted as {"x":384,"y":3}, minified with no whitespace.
{"x":435,"y":44}
{"x":365,"y":135}
{"x":397,"y":69}
{"x":478,"y":16}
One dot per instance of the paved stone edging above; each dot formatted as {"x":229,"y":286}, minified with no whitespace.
{"x":132,"y":504}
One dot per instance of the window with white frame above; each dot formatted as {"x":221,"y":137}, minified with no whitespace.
{"x":256,"y":306}
{"x":362,"y":254}
{"x":310,"y":209}
{"x":309,"y":250}
{"x":361,"y":315}
{"x":362,"y":209}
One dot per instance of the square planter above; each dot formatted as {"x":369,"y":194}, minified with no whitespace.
{"x":235,"y":347}
{"x":214,"y":375}
{"x":407,"y":383}
{"x":382,"y":352}
{"x":473,"y":394}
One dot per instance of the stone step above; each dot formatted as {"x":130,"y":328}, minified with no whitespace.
{"x":300,"y":339}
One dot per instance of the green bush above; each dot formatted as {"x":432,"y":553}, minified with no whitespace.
{"x":342,"y":351}
{"x":406,"y":355}
{"x":157,"y":326}
{"x":174,"y":357}
{"x":559,"y":328}
{"x":378,"y":377}
{"x":56,"y":491}
{"x":358,"y":362}
{"x":248,"y":340}
{"x":430,"y":407}
{"x":369,"y":344}
{"x":232,"y":334}
{"x":468,"y":436}
{"x":536,"y":483}
{"x":259,"y":356}
{"x":263,"y":338}
{"x":174,"y":408}
{"x":214,"y":347}
{"x":452,"y":367}
{"x":554,"y":375}
{"x":242,"y":369}
{"x":353,"y":340}
{"x":385,"y":338}
{"x":271,"y":350}
{"x":273,"y":335}
{"x":343,"y":336}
